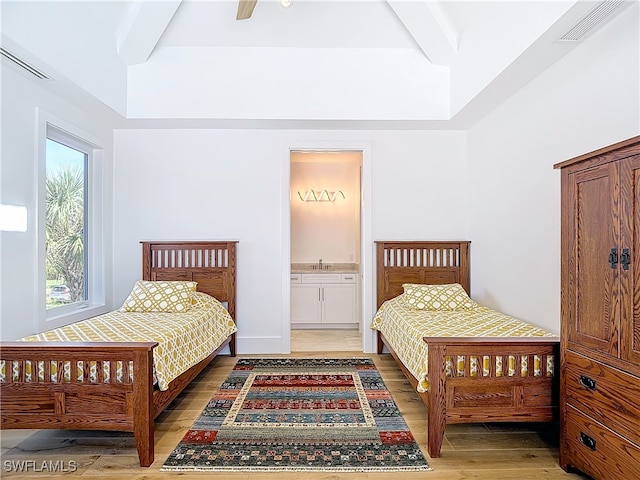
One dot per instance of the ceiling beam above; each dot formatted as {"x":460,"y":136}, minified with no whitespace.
{"x":142,"y":29}
{"x":429,"y":27}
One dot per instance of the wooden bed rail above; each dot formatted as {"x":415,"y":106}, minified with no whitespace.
{"x":92,"y":395}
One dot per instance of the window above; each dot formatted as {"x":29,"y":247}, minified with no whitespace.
{"x":66,"y":219}
{"x":73,"y":206}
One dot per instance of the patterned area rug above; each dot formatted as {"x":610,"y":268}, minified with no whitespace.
{"x":280,"y":414}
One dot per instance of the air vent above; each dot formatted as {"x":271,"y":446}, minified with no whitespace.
{"x":22,"y":64}
{"x":593,"y":19}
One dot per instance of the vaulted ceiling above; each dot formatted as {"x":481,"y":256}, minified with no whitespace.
{"x":410,"y":63}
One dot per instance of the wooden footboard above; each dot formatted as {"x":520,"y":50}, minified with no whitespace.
{"x":525,"y":396}
{"x":90,"y":400}
{"x":87,"y":399}
{"x":475,"y":395}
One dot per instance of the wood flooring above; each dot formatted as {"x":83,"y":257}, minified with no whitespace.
{"x":482,"y":451}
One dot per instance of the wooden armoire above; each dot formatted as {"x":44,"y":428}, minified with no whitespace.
{"x":600,"y":331}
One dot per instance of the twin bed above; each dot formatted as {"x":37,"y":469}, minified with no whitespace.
{"x":462,"y":371}
{"x":469,"y":364}
{"x":93,"y":384}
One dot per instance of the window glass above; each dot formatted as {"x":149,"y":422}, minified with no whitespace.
{"x":66,"y":220}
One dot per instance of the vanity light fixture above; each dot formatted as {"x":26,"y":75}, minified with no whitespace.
{"x":320,"y":196}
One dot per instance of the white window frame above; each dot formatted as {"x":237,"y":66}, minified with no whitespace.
{"x":95,"y":304}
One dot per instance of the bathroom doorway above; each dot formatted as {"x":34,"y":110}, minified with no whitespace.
{"x":325,"y":252}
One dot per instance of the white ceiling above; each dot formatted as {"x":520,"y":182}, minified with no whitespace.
{"x":306,"y":24}
{"x":381,"y":63}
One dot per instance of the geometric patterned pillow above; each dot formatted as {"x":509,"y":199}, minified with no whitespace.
{"x":162,"y":296}
{"x":450,"y":296}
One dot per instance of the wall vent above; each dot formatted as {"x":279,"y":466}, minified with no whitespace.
{"x":22,"y":64}
{"x":593,"y":19}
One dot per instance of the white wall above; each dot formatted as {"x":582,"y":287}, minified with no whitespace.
{"x":588,"y":100}
{"x":345,"y":84}
{"x":231,"y":184}
{"x":21,"y":309}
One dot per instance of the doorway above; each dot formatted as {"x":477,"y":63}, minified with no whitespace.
{"x":325,"y":249}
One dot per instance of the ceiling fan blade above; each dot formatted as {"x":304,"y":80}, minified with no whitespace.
{"x":245,"y":9}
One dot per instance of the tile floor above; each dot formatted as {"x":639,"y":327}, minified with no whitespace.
{"x":303,"y":340}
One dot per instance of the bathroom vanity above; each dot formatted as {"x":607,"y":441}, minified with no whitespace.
{"x":324,"y":296}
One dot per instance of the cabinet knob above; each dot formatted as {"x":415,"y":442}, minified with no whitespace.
{"x":613,"y":257}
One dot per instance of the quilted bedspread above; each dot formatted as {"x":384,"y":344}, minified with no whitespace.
{"x":404,"y":328}
{"x":184,"y":339}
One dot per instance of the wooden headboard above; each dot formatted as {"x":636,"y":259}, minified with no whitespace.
{"x":420,"y":262}
{"x":211,"y":264}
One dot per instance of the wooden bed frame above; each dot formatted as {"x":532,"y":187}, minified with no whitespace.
{"x":120,"y":405}
{"x":466,"y":398}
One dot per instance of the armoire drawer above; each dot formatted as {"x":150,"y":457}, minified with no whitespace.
{"x":597,"y":451}
{"x":607,"y":394}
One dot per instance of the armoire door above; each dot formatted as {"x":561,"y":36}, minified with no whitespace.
{"x":593,"y":233}
{"x":630,"y":267}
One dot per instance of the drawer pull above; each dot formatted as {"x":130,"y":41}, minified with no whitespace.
{"x":613,"y":258}
{"x":587,"y":441}
{"x":587,"y":382}
{"x":625,"y":259}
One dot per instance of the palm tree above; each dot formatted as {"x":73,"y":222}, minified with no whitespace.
{"x":65,"y":229}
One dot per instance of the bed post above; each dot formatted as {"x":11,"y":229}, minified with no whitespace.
{"x":436,"y":399}
{"x":380,"y":278}
{"x":230,"y":286}
{"x":143,"y":412}
{"x":146,"y":260}
{"x":465,"y":267}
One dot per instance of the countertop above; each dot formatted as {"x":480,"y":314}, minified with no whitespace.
{"x":326,"y":268}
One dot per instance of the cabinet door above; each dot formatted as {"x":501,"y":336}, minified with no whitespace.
{"x":305,"y":303}
{"x":592,"y":235}
{"x":339,"y":303}
{"x":630,"y":277}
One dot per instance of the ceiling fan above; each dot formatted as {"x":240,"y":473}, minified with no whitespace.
{"x":245,"y":8}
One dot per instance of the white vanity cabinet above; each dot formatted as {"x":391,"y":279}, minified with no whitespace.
{"x":324,"y":300}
